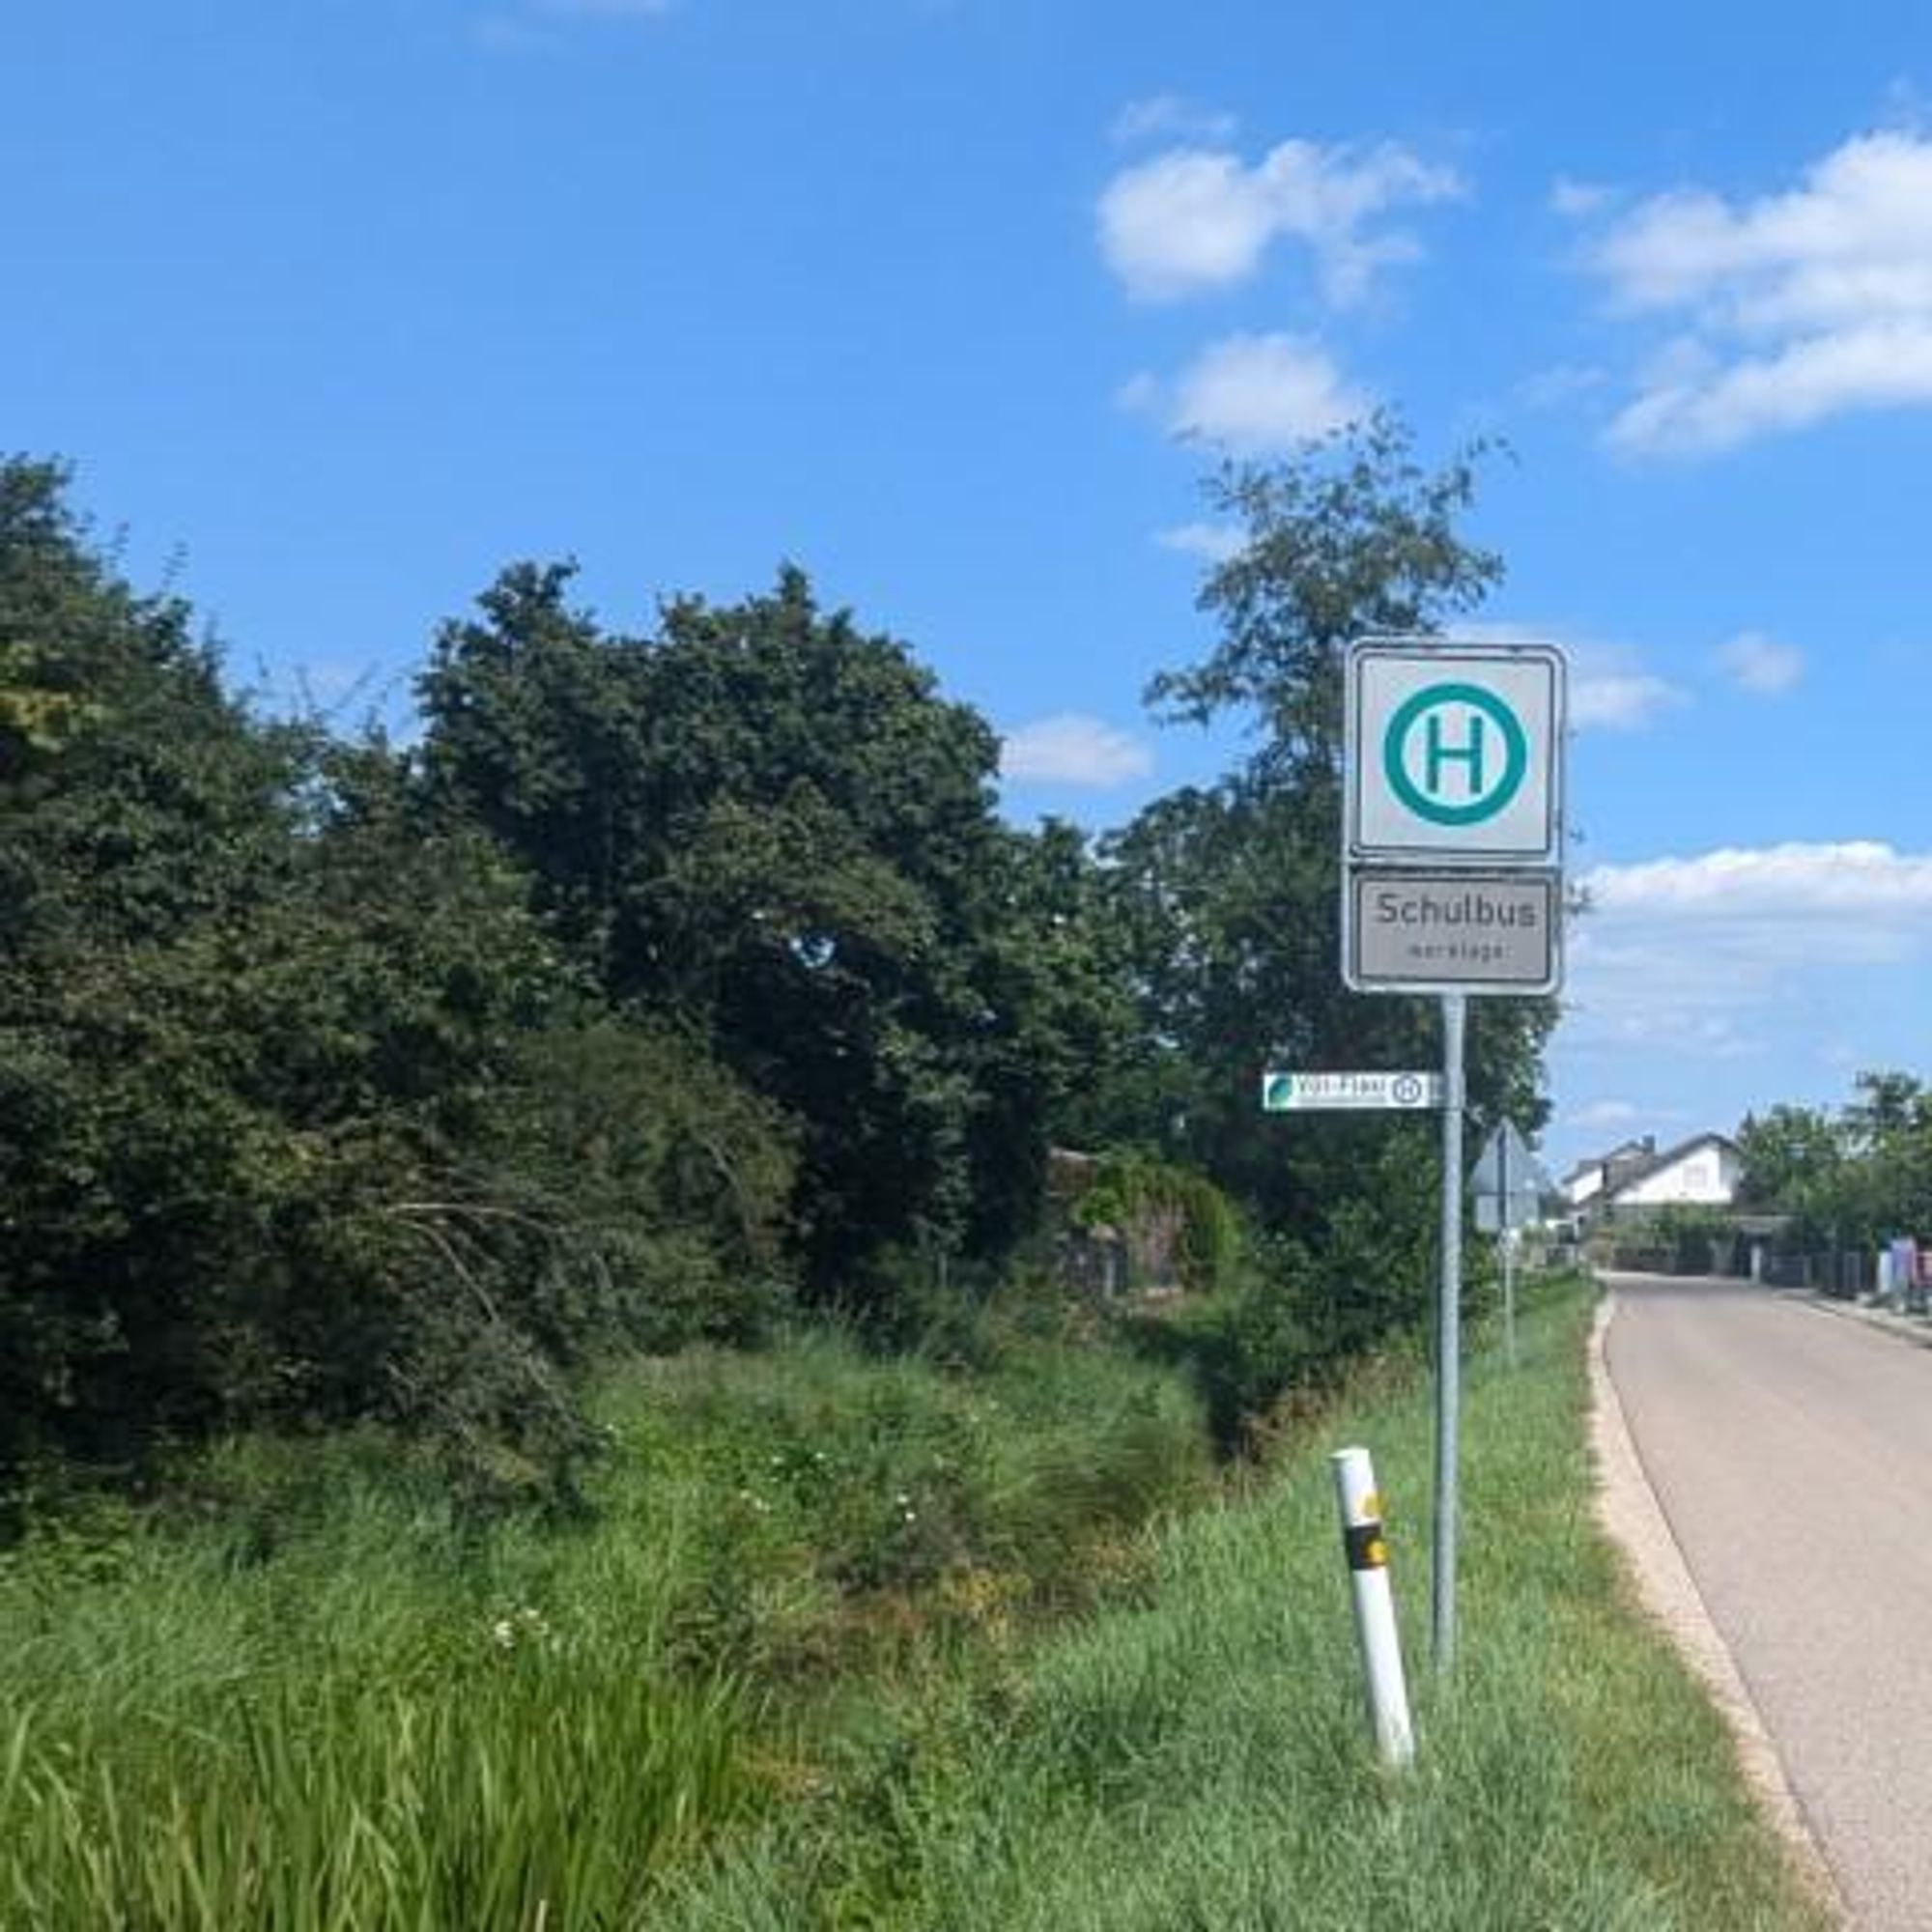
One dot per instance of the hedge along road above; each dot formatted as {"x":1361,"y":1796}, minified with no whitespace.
{"x":1791,"y":1450}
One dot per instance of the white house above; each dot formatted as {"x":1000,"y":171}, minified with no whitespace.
{"x":1588,"y":1179}
{"x":1699,"y":1173}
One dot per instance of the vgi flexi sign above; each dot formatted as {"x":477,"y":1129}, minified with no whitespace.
{"x":1453,"y":821}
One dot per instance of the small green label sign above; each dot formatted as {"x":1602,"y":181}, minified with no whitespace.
{"x":1455,"y":753}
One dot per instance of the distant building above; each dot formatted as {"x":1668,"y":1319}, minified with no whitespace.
{"x":1701,"y":1172}
{"x":1589,"y":1179}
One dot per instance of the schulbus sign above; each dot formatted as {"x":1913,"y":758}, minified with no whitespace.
{"x":1449,"y":930}
{"x":1452,"y":837}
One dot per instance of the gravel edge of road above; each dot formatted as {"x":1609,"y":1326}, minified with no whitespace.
{"x":1631,"y":1514}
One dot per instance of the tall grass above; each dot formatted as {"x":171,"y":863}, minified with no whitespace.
{"x":777,"y":1680}
{"x":313,"y":1697}
{"x":1202,"y":1760}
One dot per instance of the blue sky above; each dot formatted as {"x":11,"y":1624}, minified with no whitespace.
{"x":349,"y":302}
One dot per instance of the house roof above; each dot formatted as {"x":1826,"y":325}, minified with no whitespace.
{"x":1655,"y":1164}
{"x":1611,"y":1168}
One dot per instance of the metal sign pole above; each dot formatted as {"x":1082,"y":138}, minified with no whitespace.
{"x":1452,"y":886}
{"x":1509,"y":1294}
{"x":1449,"y":1331}
{"x":1506,"y":1226}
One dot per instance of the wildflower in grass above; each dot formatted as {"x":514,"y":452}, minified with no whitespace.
{"x":522,"y":1628}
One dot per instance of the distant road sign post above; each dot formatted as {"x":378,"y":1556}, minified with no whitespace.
{"x":1507,"y":1182}
{"x":1452,"y":885}
{"x":1508,"y":1186}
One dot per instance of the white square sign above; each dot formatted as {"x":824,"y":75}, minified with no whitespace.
{"x":1455,"y":752}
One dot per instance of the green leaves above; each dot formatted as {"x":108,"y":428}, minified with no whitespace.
{"x":266,"y":1021}
{"x":1353,"y":538}
{"x":770,"y":825}
{"x":1225,"y":900}
{"x":1863,"y":1174}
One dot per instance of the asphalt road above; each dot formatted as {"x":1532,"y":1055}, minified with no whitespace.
{"x":1791,"y":1449}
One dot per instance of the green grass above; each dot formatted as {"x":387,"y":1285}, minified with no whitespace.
{"x":851,"y":1644}
{"x":310,"y":1695}
{"x":1201,"y":1761}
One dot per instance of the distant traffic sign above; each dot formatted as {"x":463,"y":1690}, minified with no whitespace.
{"x":1348,"y":1092}
{"x":1456,"y":753}
{"x":1507,"y":1182}
{"x":1451,"y":931}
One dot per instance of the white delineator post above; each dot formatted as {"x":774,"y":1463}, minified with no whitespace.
{"x":1367,"y":1551}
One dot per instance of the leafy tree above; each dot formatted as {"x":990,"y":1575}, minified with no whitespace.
{"x":1887,"y":1130}
{"x":1861,"y":1176}
{"x":770,"y":825}
{"x":1229,"y":895}
{"x":1794,"y":1161}
{"x":275,"y":1079}
{"x":1349,"y":539}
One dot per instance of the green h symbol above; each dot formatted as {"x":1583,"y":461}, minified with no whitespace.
{"x":1437,"y":753}
{"x":1491,"y":723}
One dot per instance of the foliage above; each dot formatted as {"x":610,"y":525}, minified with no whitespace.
{"x":652,"y":1190}
{"x":1861,"y":1175}
{"x":771,"y":824}
{"x":1175,"y":1210}
{"x":310,"y":1692}
{"x":1226,"y":899}
{"x":668,"y":975}
{"x":1351,"y":538}
{"x":1199,"y":1757}
{"x":263,"y":1023}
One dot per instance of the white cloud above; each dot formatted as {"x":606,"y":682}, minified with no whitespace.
{"x":1563,"y":382}
{"x":1172,"y":117}
{"x":1621,"y":701}
{"x":1790,"y":884}
{"x":1706,"y":957}
{"x":1791,"y":308}
{"x":1198,"y":218}
{"x":1800,"y":386}
{"x":1215,"y":542}
{"x":1608,"y":687}
{"x":1761,"y":665}
{"x":1075,"y":750}
{"x":1255,"y":394}
{"x":1575,"y":199}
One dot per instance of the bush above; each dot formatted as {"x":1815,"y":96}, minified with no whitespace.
{"x":1172,"y":1218}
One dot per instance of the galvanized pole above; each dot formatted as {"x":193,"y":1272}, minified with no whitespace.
{"x":1506,"y":1226}
{"x":1449,"y":1332}
{"x":1509,"y":1294}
